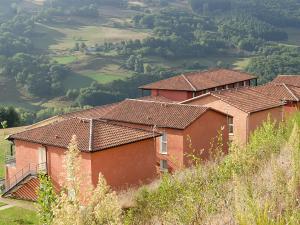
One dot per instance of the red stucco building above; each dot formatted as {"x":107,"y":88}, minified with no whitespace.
{"x":130,"y":143}
{"x":189,"y":85}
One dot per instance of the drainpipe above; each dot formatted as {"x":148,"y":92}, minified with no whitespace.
{"x":247,"y":127}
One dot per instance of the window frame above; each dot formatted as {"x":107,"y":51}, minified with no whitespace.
{"x":163,"y":142}
{"x":163,"y":165}
{"x":230,"y":125}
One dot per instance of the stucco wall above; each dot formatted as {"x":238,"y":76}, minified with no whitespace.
{"x":243,"y":123}
{"x":239,"y":117}
{"x":200,"y":138}
{"x":27,"y":153}
{"x":256,"y":119}
{"x":126,"y":165}
{"x":291,"y":108}
{"x":175,"y":149}
{"x":173,"y":95}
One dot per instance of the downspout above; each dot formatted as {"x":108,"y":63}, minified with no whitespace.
{"x":247,"y":127}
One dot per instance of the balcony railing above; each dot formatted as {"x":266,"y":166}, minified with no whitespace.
{"x":31,"y":169}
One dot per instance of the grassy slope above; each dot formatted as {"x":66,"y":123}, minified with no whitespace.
{"x":4,"y":147}
{"x":18,"y":216}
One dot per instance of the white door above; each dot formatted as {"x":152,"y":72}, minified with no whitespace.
{"x":42,"y":158}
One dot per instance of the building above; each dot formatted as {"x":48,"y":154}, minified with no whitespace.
{"x":248,"y":107}
{"x":286,"y":93}
{"x":293,"y":80}
{"x":189,"y":85}
{"x":130,"y":143}
{"x":180,"y":126}
{"x":125,"y":156}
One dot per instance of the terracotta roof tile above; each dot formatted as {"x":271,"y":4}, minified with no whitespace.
{"x":197,"y":81}
{"x":246,"y":99}
{"x":92,"y":113}
{"x":168,"y":115}
{"x":92,"y":135}
{"x":280,"y":91}
{"x":157,"y":99}
{"x":293,"y":80}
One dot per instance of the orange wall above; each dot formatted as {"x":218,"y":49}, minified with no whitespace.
{"x":175,"y":149}
{"x":173,"y":95}
{"x":243,"y":122}
{"x":256,"y":119}
{"x":122,"y":166}
{"x":203,"y":136}
{"x":27,"y":153}
{"x":127,"y":165}
{"x":240,"y":118}
{"x":291,"y":108}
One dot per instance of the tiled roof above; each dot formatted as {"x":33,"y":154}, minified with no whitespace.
{"x":197,"y":81}
{"x":293,"y":80}
{"x":92,"y":113}
{"x":246,"y":99}
{"x":280,"y":91}
{"x":168,"y":115}
{"x":156,"y":99}
{"x":92,"y":135}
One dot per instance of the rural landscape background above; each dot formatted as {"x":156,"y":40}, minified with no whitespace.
{"x":58,"y":56}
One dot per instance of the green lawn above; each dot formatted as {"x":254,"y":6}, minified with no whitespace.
{"x":2,"y":204}
{"x":18,"y":216}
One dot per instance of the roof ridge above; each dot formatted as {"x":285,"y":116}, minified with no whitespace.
{"x":291,"y":92}
{"x":187,"y":80}
{"x":91,"y":135}
{"x":115,"y":123}
{"x":166,"y":103}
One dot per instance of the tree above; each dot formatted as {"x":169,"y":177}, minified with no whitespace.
{"x":46,"y":200}
{"x":102,"y":205}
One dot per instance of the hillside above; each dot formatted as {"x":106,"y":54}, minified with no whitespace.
{"x":101,"y":51}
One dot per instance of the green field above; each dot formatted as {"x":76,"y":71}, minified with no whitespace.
{"x":294,"y":36}
{"x":65,"y":59}
{"x":4,"y":147}
{"x":18,"y":216}
{"x":62,"y":37}
{"x":2,"y":204}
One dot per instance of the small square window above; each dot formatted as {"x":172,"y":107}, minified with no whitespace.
{"x":164,"y":165}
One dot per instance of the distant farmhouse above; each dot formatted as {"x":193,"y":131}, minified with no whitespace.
{"x":133,"y":141}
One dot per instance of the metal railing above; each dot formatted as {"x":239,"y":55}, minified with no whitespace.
{"x":31,"y":169}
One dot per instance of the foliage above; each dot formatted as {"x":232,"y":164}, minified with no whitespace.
{"x":275,"y":60}
{"x":46,"y":200}
{"x":10,"y":116}
{"x":101,"y":207}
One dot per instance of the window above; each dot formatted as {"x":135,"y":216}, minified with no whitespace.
{"x":164,"y":165}
{"x":230,"y":125}
{"x":163,"y":144}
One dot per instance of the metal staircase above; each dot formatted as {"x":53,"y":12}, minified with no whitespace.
{"x":23,"y":178}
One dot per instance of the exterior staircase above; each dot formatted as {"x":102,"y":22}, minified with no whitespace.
{"x":24,"y":184}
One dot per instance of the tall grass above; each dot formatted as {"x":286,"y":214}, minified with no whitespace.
{"x":255,"y":184}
